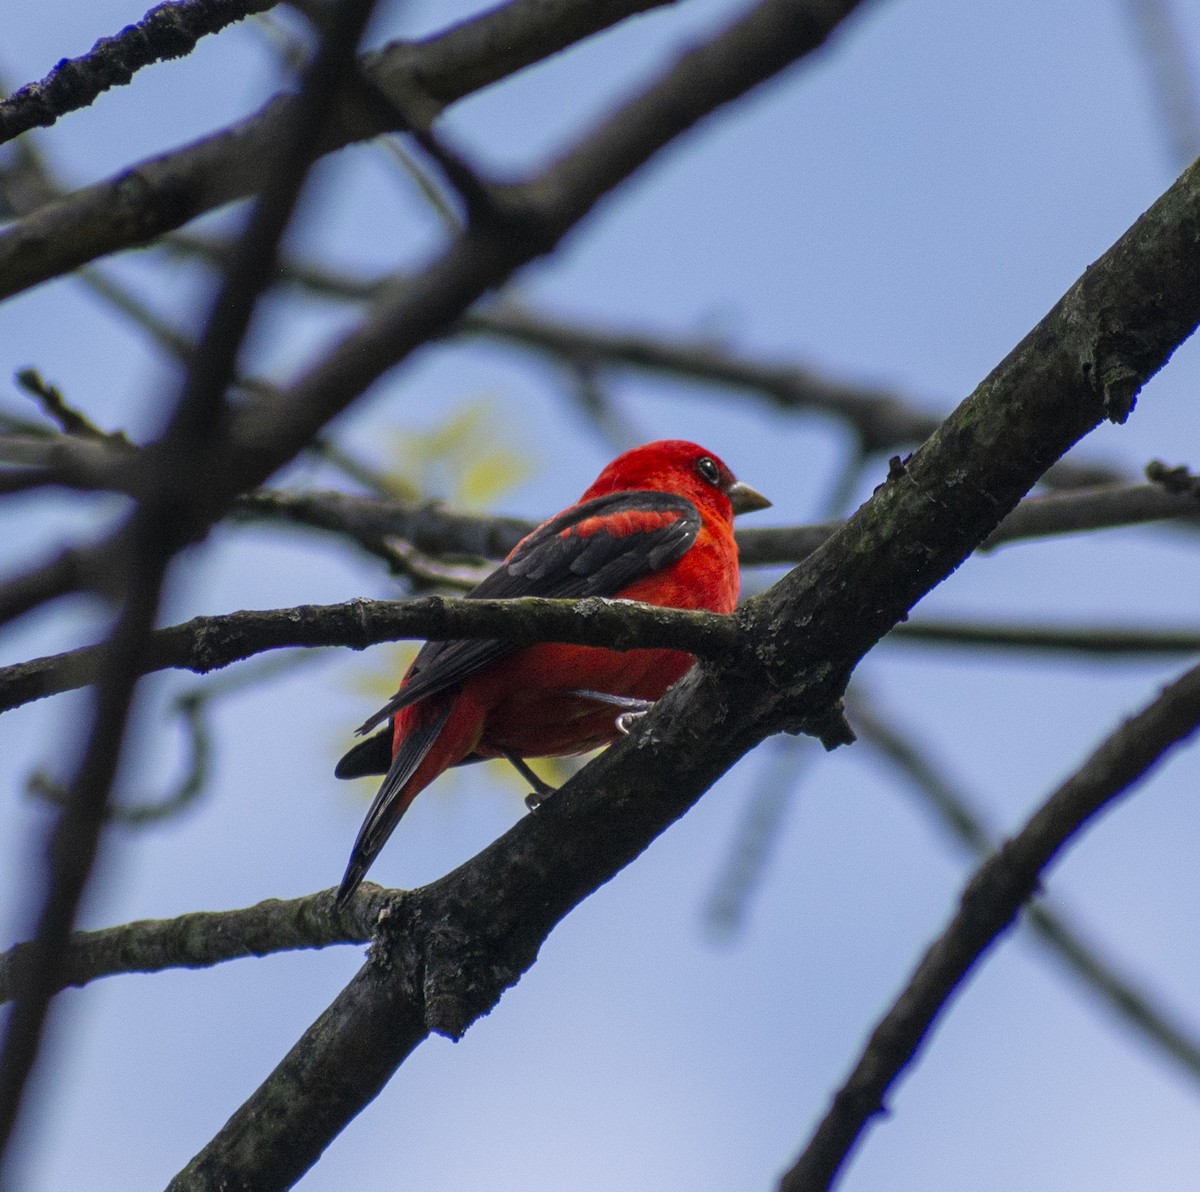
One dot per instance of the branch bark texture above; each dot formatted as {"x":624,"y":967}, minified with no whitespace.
{"x":208,"y":643}
{"x":167,"y":31}
{"x":201,"y":939}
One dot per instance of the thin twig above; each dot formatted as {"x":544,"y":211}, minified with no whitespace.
{"x":1098,"y":641}
{"x":191,"y":707}
{"x":428,"y":188}
{"x":72,"y":422}
{"x":203,"y":939}
{"x":169,"y":30}
{"x":755,"y":837}
{"x":591,"y":398}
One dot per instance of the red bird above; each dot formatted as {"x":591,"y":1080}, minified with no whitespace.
{"x":656,"y":526}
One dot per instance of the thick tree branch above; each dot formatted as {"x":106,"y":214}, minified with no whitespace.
{"x":447,"y":952}
{"x":165,"y":192}
{"x":169,"y":30}
{"x":989,"y":905}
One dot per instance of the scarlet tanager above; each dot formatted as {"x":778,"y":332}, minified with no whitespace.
{"x":656,"y":526}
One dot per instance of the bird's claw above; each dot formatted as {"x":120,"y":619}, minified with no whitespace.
{"x":633,"y":706}
{"x":626,"y":721}
{"x":535,"y":799}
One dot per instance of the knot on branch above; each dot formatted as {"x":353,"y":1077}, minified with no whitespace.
{"x":467,"y":971}
{"x":1178,"y":481}
{"x":1115,"y":369}
{"x":454,"y":969}
{"x":828,"y":724}
{"x":462,"y":982}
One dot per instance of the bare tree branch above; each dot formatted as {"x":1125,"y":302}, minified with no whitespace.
{"x":203,"y":939}
{"x":1119,"y":993}
{"x":429,"y":526}
{"x":1116,"y":641}
{"x":756,"y":835}
{"x":208,"y":643}
{"x":205,"y":644}
{"x":882,"y":419}
{"x":169,"y":30}
{"x":990,"y":904}
{"x":434,"y":530}
{"x":166,"y":192}
{"x":192,"y":710}
{"x":76,"y":569}
{"x":68,"y":418}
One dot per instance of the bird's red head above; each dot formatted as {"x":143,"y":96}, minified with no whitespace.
{"x":677,"y":466}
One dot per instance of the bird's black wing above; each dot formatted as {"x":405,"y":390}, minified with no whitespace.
{"x":597,"y":548}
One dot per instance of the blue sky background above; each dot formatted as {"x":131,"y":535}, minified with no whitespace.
{"x":900,"y":210}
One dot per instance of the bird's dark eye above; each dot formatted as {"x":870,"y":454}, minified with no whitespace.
{"x":708,"y":470}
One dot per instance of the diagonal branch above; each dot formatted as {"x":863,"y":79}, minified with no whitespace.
{"x":990,"y":904}
{"x":169,"y":30}
{"x":1119,"y":992}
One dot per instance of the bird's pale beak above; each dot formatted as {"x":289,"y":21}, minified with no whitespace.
{"x":745,"y":499}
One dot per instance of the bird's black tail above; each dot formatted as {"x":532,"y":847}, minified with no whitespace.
{"x":393,"y":798}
